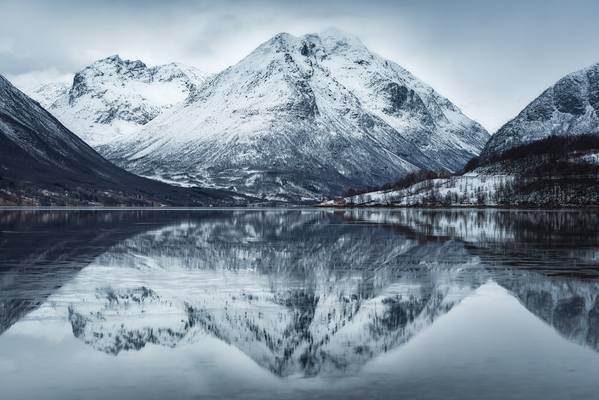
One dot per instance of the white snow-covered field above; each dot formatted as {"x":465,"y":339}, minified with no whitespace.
{"x":469,"y":189}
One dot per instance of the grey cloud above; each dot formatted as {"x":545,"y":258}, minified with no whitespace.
{"x":490,"y":57}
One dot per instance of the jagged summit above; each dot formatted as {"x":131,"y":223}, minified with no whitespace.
{"x":115,"y":58}
{"x":113,"y":97}
{"x":303,"y":117}
{"x":569,"y":107}
{"x":332,"y":37}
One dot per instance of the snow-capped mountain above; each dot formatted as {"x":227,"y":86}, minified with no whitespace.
{"x":114,"y":97}
{"x":303,"y":117}
{"x":570,"y":107}
{"x":42,"y":161}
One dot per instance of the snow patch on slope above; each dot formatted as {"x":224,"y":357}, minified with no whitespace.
{"x":470,"y":189}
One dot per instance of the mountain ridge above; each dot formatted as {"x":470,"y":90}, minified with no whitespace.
{"x":303,"y":117}
{"x":568,"y":107}
{"x":113,"y":96}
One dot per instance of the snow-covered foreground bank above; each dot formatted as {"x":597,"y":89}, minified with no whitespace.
{"x":466,"y":190}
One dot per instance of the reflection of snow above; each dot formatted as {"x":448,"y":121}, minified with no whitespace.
{"x":208,"y":308}
{"x":278,"y":301}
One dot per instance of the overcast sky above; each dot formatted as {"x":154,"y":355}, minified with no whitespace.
{"x":489,"y":57}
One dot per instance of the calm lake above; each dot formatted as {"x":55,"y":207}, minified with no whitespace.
{"x":299,"y":303}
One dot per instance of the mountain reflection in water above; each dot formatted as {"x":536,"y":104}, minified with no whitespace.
{"x":302,"y":293}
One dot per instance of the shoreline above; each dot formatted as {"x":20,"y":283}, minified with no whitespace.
{"x":471,"y":207}
{"x":300,"y":207}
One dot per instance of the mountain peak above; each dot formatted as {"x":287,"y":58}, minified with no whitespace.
{"x":113,"y":58}
{"x":113,"y":96}
{"x":119,"y":64}
{"x":340,"y":36}
{"x":330,"y":39}
{"x":569,"y":107}
{"x":282,"y":41}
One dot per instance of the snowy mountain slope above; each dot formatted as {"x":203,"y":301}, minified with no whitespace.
{"x":48,"y":93}
{"x":303,"y":117}
{"x":430,"y":121}
{"x":546,"y":156}
{"x":41,"y":159}
{"x":114,"y":97}
{"x":570,"y":107}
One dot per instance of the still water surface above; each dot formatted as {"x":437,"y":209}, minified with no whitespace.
{"x":277,"y":304}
